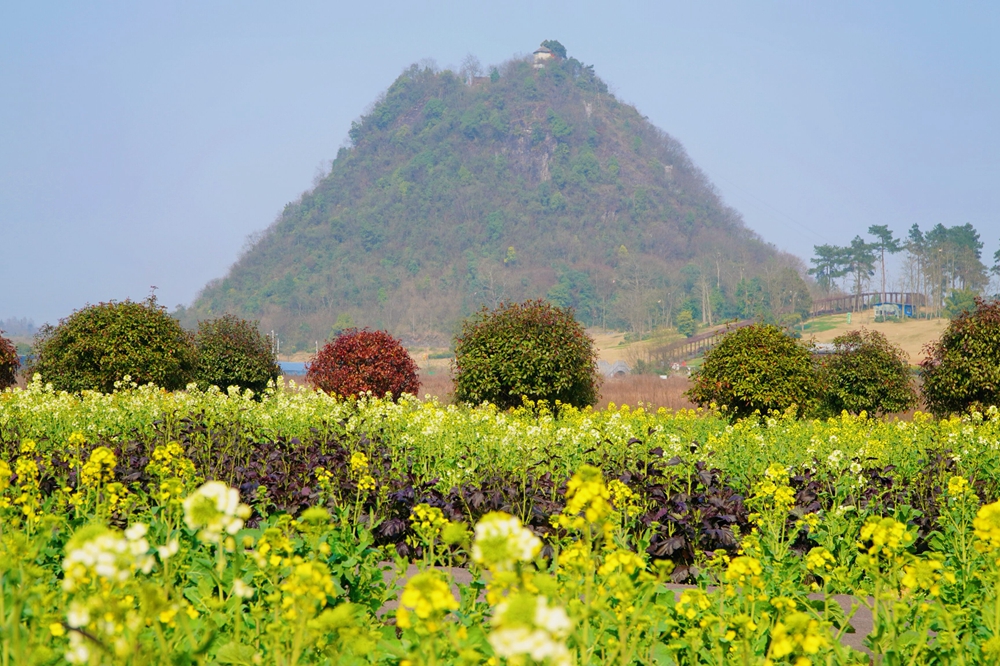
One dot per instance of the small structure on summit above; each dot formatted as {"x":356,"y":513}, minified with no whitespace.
{"x":542,"y":55}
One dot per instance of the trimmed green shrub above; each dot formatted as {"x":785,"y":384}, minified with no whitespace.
{"x":9,"y":363}
{"x":532,"y":349}
{"x":756,"y":370}
{"x":232,"y":352}
{"x":99,"y":345}
{"x":362,"y":361}
{"x":962,"y":369}
{"x":866,"y":373}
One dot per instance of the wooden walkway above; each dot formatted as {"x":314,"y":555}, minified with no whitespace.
{"x":856,"y":302}
{"x":696,"y":344}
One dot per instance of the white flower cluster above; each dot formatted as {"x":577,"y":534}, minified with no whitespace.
{"x":108,"y":555}
{"x":542,"y":639}
{"x":78,"y":652}
{"x":501,"y":541}
{"x":215,"y":509}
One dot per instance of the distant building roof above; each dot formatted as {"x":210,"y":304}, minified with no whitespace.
{"x":544,"y":49}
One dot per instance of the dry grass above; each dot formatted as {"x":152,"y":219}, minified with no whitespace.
{"x":910,"y":334}
{"x":649,"y":390}
{"x":438,"y":385}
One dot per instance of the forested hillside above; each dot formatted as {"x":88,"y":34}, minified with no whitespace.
{"x":463,"y":189}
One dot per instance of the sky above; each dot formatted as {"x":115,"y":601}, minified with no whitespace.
{"x":141,"y":143}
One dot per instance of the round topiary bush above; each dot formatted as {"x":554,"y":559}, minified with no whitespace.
{"x":532,"y":349}
{"x":9,"y":363}
{"x":99,"y":345}
{"x":756,"y":369}
{"x":356,"y":362}
{"x":962,"y":369}
{"x":232,"y":352}
{"x":866,"y":373}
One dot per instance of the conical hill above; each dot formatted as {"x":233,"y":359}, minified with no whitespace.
{"x":533,"y":181}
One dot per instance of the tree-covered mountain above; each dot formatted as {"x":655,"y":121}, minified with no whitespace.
{"x":533,"y":181}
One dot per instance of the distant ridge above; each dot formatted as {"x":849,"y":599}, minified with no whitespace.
{"x":529,"y":180}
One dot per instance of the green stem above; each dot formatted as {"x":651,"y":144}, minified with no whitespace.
{"x":297,"y":644}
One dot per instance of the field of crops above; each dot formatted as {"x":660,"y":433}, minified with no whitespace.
{"x":147,"y":527}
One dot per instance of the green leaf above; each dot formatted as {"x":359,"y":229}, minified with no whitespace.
{"x":236,"y":654}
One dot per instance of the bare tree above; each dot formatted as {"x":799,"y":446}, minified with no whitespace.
{"x":471,"y":68}
{"x":635,"y":294}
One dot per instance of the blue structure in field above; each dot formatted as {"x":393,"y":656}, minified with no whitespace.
{"x":894,"y":310}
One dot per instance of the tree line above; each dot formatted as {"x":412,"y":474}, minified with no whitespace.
{"x":944,"y":264}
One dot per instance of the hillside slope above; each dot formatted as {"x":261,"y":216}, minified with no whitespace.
{"x":531,"y":182}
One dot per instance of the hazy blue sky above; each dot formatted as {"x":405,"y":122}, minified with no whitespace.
{"x":140,"y":143}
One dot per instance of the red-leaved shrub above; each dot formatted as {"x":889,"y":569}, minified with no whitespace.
{"x":9,"y":363}
{"x":359,"y":361}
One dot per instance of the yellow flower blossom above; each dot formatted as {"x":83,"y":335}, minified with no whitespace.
{"x":366,"y":483}
{"x":586,"y":499}
{"x":797,"y":635}
{"x":427,"y":596}
{"x":99,"y":468}
{"x":359,"y":463}
{"x":926,"y":574}
{"x":692,"y":603}
{"x":958,"y":486}
{"x":426,"y":517}
{"x":306,"y":588}
{"x":885,"y":536}
{"x":214,"y":509}
{"x":745,"y":571}
{"x":5,"y":474}
{"x":987,"y":527}
{"x":623,"y":498}
{"x":621,"y":561}
{"x":819,"y":559}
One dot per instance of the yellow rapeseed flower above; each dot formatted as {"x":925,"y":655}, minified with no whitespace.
{"x":623,"y":498}
{"x":359,"y":463}
{"x":693,"y":602}
{"x":427,"y":596}
{"x":957,"y":486}
{"x":586,"y":499}
{"x":745,"y":571}
{"x":797,"y":635}
{"x":428,"y":519}
{"x":621,"y":561}
{"x":308,"y":585}
{"x":5,"y":474}
{"x":926,"y":574}
{"x":987,"y":527}
{"x":99,"y":468}
{"x":886,"y":536}
{"x":819,"y":559}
